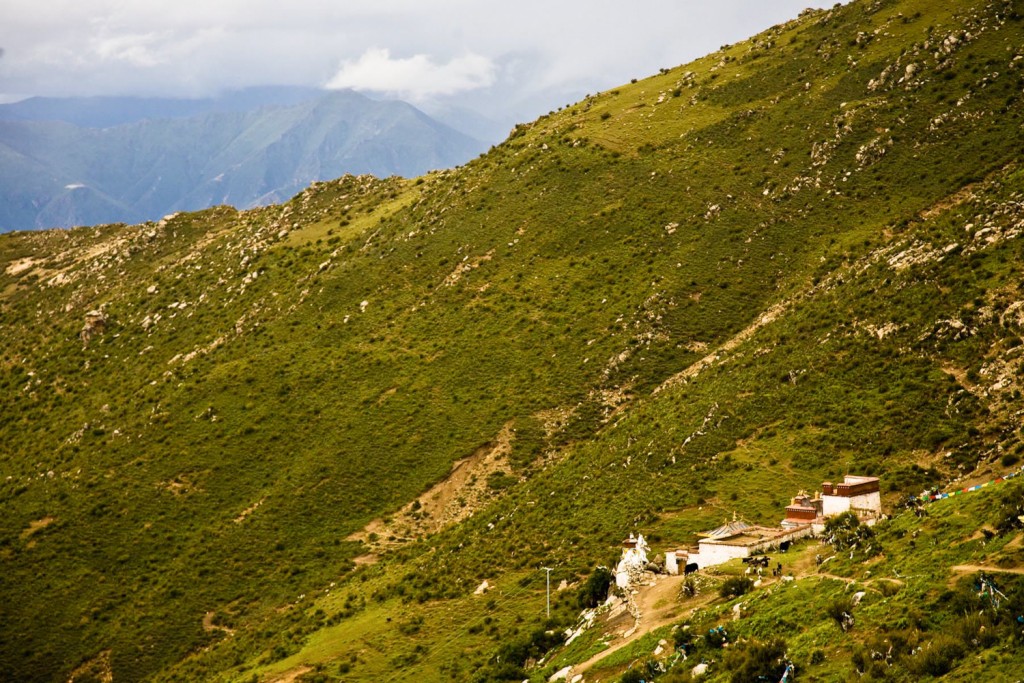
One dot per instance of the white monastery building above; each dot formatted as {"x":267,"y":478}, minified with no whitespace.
{"x":859,"y":495}
{"x":804,"y":516}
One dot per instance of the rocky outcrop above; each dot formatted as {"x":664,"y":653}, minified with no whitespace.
{"x":95,"y":325}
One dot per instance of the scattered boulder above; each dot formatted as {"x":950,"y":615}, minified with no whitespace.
{"x":561,"y":674}
{"x":95,"y":325}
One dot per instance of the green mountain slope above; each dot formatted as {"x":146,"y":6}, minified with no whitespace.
{"x":792,"y":259}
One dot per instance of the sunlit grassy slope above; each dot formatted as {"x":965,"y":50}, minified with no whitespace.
{"x":693,"y":294}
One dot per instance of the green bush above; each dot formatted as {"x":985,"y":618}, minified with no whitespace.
{"x":937,"y":658}
{"x":595,"y":589}
{"x":633,"y":676}
{"x":840,"y":611}
{"x":496,"y":481}
{"x":735,"y":586}
{"x":845,"y":532}
{"x":532,"y":646}
{"x":716,"y":638}
{"x":757,"y":661}
{"x":682,"y":637}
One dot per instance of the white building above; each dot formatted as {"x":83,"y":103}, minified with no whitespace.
{"x":675,"y":558}
{"x":859,"y":495}
{"x":739,"y":539}
{"x":805,"y":516}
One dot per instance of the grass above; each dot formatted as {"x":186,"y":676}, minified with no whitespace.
{"x":639,"y":650}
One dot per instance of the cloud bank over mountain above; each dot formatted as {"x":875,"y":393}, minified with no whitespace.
{"x":414,"y":78}
{"x":503,"y":59}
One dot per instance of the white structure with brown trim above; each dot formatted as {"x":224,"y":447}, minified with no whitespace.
{"x":736,"y":539}
{"x":859,"y":495}
{"x":674,"y":559}
{"x":739,"y":539}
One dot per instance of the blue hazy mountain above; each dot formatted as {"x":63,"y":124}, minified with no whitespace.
{"x":77,"y":161}
{"x":104,"y":112}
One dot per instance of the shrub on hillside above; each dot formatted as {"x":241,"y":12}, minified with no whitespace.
{"x":523,"y":648}
{"x":716,"y":638}
{"x":632,"y":676}
{"x":498,"y":481}
{"x":1010,"y":514}
{"x":757,"y":661}
{"x":735,"y":586}
{"x":505,"y":671}
{"x":845,"y":532}
{"x":937,"y":658}
{"x":840,"y":611}
{"x":682,"y":637}
{"x":647,"y":671}
{"x":883,"y":650}
{"x":976,"y":631}
{"x":595,"y":589}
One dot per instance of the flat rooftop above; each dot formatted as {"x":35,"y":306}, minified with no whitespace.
{"x":752,"y":535}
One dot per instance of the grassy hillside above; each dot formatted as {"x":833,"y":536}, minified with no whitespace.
{"x":694,"y":294}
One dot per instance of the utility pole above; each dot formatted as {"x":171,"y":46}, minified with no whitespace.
{"x":548,"y":570}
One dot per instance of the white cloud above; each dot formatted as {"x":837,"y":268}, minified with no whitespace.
{"x":508,"y":61}
{"x":417,"y":77}
{"x":135,"y":49}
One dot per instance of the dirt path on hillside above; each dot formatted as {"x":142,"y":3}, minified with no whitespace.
{"x":658,"y":607}
{"x":463,"y":491}
{"x":963,"y":568}
{"x":834,"y":577}
{"x":290,"y":676}
{"x":766,"y":318}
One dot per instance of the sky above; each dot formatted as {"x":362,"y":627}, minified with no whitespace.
{"x":493,"y":57}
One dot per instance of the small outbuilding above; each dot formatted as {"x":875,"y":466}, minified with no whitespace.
{"x":674,"y":559}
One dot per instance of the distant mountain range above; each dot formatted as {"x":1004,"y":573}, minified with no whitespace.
{"x":78,"y":161}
